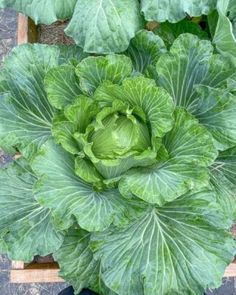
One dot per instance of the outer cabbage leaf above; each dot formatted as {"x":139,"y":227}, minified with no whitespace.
{"x":62,"y":86}
{"x":189,"y":148}
{"x":62,"y":131}
{"x":77,"y":265}
{"x":69,"y":197}
{"x":184,"y":67}
{"x":223,"y":180}
{"x":64,"y":83}
{"x":175,"y":249}
{"x":225,"y":33}
{"x":105,"y":26}
{"x":94,"y":70}
{"x":216,"y":111}
{"x":26,"y":226}
{"x":212,"y":20}
{"x":42,"y":11}
{"x":144,"y":50}
{"x":169,"y":32}
{"x":174,"y":11}
{"x":189,"y":141}
{"x":189,"y":63}
{"x":232,"y":84}
{"x":25,"y":112}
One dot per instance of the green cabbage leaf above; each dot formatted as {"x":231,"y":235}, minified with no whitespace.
{"x":224,"y":35}
{"x":26,"y":226}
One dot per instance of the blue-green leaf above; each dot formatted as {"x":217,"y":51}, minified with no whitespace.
{"x":102,"y":26}
{"x":176,"y":249}
{"x":190,"y":149}
{"x":77,"y":264}
{"x":92,"y":71}
{"x":216,"y":110}
{"x":223,"y":180}
{"x":25,"y":112}
{"x":144,"y":50}
{"x":42,"y":11}
{"x":174,"y":11}
{"x":190,"y":63}
{"x":26,"y":226}
{"x":69,"y":197}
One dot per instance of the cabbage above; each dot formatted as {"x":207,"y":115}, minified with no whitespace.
{"x":128,"y":166}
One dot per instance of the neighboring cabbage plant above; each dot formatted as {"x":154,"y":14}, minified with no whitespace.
{"x":223,"y":23}
{"x":128,"y":163}
{"x":106,"y":26}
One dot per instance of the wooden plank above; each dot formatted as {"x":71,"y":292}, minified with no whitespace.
{"x":26,"y":31}
{"x":231,"y":270}
{"x":48,"y":272}
{"x":17,"y":264}
{"x":21,"y":276}
{"x":22,"y":30}
{"x":34,"y":272}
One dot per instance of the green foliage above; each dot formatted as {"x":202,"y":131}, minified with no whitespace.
{"x":224,"y":22}
{"x":26,"y":226}
{"x":102,"y":26}
{"x":128,"y":162}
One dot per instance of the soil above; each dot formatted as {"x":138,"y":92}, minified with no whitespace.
{"x":45,"y":35}
{"x":233,"y":230}
{"x":7,"y":32}
{"x":4,"y":158}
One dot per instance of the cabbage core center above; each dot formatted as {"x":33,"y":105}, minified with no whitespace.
{"x":120,"y":135}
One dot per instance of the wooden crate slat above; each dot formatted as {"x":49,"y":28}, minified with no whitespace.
{"x":34,"y":272}
{"x":17,"y":264}
{"x":27,"y":30}
{"x":21,"y":276}
{"x":49,"y":272}
{"x":231,"y":270}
